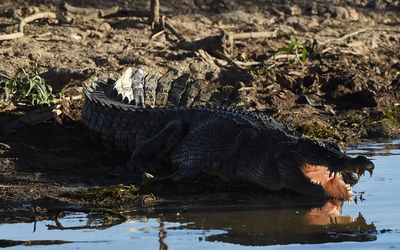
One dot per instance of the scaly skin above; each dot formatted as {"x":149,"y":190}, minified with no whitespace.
{"x":235,"y":145}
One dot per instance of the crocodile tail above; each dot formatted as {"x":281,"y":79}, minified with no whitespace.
{"x":87,"y":91}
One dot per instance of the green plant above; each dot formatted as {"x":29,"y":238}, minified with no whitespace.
{"x":392,"y":116}
{"x":296,"y":47}
{"x":28,"y":87}
{"x":319,"y":131}
{"x":9,"y":87}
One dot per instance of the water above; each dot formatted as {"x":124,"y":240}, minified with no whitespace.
{"x":221,"y":221}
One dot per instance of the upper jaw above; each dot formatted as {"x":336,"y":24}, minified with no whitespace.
{"x":353,"y":167}
{"x":360,"y":164}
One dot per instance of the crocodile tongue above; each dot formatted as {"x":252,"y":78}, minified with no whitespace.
{"x":333,"y":184}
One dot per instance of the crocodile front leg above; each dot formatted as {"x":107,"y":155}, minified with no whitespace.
{"x":211,"y":146}
{"x":151,"y":155}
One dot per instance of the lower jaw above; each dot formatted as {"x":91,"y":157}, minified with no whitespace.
{"x":341,"y":194}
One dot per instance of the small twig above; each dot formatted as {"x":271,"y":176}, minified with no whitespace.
{"x":298,"y":57}
{"x":28,"y":19}
{"x":248,"y":64}
{"x":25,"y":21}
{"x":44,"y":34}
{"x":333,"y":40}
{"x":363,"y":30}
{"x":172,"y":29}
{"x":4,"y":25}
{"x":283,"y":56}
{"x":5,"y":76}
{"x":228,"y":59}
{"x":11,"y":36}
{"x":153,"y":36}
{"x":154,"y":18}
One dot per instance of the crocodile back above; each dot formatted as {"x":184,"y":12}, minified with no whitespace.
{"x":122,"y":114}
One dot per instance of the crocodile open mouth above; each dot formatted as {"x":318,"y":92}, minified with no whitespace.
{"x":332,"y":183}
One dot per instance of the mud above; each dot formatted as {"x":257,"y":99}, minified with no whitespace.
{"x":346,"y":90}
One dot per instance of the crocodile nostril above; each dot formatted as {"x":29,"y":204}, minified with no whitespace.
{"x":354,"y":177}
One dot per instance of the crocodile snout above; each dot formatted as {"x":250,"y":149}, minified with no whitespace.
{"x":361,"y":164}
{"x":355,"y":168}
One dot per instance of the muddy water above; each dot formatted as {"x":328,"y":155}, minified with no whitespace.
{"x":243,"y":221}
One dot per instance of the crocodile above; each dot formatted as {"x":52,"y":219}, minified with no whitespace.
{"x":137,"y":114}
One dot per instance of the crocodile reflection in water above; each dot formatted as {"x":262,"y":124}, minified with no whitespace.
{"x":288,"y":222}
{"x":277,"y":220}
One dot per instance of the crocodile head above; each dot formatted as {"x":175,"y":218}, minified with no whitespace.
{"x":322,"y":169}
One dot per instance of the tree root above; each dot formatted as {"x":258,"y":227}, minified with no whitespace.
{"x":354,"y":33}
{"x":25,"y":21}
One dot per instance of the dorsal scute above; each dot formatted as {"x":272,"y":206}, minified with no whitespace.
{"x":130,"y":86}
{"x":145,"y":87}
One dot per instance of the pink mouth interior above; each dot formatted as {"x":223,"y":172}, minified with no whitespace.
{"x":332,"y":184}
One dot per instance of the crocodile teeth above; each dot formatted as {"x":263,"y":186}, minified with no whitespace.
{"x":315,"y":182}
{"x":148,"y":176}
{"x":349,"y":191}
{"x":370,"y":171}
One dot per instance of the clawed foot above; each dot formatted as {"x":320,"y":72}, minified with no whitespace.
{"x":147,"y":179}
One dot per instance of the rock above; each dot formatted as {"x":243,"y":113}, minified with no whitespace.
{"x":283,"y":100}
{"x":100,"y":60}
{"x":375,"y":4}
{"x":311,"y":8}
{"x":341,"y":78}
{"x":33,"y":10}
{"x":106,"y":27}
{"x":287,"y":82}
{"x":58,"y":78}
{"x":347,"y":13}
{"x":295,"y":10}
{"x":353,"y":14}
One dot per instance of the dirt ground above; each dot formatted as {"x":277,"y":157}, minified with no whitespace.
{"x":347,"y":89}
